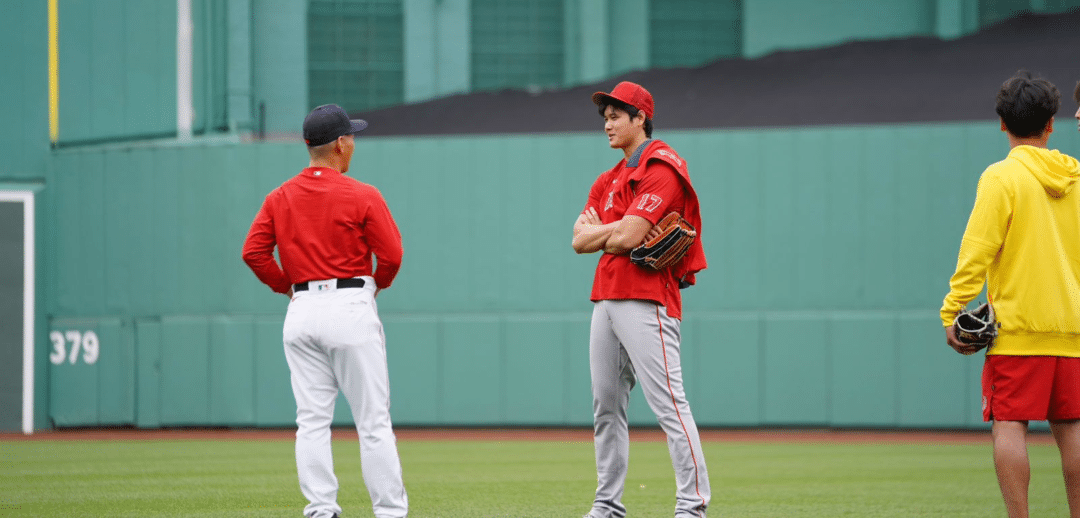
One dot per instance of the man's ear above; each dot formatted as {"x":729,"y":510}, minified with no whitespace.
{"x":1003,"y":128}
{"x":1049,"y":127}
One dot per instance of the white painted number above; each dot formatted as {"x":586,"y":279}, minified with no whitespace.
{"x":75,"y":338}
{"x":86,"y":342}
{"x":57,"y":356}
{"x":90,"y":347}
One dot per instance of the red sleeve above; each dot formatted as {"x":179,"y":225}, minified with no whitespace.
{"x":259,"y":251}
{"x":595,"y":194}
{"x":384,"y":239}
{"x":657,"y":193}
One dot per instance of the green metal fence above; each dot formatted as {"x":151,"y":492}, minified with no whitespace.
{"x":356,"y":53}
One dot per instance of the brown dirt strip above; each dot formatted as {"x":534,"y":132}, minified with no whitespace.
{"x":774,"y":435}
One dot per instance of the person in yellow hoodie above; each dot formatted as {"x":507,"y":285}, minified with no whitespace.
{"x":1023,"y":240}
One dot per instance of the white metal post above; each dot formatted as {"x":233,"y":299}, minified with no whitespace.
{"x":184,"y":35}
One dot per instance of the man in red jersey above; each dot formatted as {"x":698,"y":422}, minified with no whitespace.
{"x":636,"y":316}
{"x":326,"y":227}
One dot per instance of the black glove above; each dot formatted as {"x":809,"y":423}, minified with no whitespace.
{"x":977,"y":327}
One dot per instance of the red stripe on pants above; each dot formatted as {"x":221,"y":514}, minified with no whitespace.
{"x":689,"y":443}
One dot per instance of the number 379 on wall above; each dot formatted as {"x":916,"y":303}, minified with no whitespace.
{"x":68,"y":345}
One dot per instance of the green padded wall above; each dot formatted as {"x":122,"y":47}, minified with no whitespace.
{"x":817,"y":238}
{"x":92,"y":374}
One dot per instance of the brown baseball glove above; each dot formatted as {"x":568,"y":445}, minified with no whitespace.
{"x":668,"y":247}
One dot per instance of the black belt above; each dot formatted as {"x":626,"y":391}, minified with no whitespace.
{"x":341,"y":283}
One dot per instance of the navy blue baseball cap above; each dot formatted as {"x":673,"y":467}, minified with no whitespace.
{"x":328,"y":122}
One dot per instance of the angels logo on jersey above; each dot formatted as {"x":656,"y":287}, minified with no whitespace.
{"x":610,"y":200}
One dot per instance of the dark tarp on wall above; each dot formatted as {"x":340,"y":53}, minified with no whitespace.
{"x":882,"y":82}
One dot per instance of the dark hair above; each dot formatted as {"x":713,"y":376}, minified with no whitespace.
{"x":630,"y":110}
{"x":1026,"y":104}
{"x":322,"y":150}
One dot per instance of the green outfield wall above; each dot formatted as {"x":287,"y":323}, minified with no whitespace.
{"x":829,"y":250}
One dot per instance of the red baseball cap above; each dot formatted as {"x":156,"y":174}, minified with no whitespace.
{"x":630,"y":93}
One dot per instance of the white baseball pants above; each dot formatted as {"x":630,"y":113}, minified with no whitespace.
{"x":334,"y":341}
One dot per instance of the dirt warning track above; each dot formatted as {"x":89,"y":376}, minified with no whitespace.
{"x":781,"y":435}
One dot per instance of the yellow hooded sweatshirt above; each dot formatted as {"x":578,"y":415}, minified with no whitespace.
{"x":1023,"y":239}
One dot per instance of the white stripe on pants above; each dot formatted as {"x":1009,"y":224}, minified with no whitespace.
{"x":636,"y":340}
{"x":334,"y":341}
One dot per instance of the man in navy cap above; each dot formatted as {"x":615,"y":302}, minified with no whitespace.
{"x":327,"y":227}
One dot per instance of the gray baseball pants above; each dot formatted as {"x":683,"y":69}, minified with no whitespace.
{"x":630,"y":341}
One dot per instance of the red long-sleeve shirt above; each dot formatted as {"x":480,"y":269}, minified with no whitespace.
{"x":325,"y":225}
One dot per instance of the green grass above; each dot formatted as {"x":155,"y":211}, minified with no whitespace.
{"x":513,"y":479}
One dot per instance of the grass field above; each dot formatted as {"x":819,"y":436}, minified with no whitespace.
{"x":490,"y":479}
